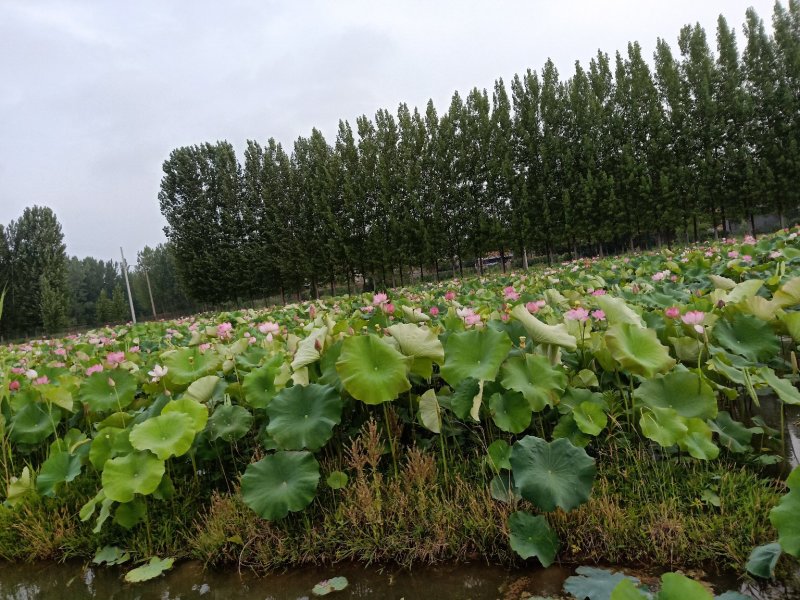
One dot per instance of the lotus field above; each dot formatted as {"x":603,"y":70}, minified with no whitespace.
{"x":533,"y":373}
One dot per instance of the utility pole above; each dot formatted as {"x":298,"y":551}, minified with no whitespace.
{"x":128,"y":285}
{"x":150,"y":291}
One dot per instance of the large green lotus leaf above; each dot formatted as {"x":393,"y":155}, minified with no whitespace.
{"x":532,"y":536}
{"x":135,"y":473}
{"x":747,"y":336}
{"x":541,"y":333}
{"x":567,"y":428}
{"x":280,"y":483}
{"x":110,"y":555}
{"x":763,"y":560}
{"x":743,"y":291}
{"x":617,"y":311}
{"x":786,"y":516}
{"x":130,"y":514}
{"x":464,"y":397}
{"x":229,"y":422}
{"x":34,"y":423}
{"x":789,"y":293}
{"x":371,"y":370}
{"x":722,"y":283}
{"x":167,"y":435}
{"x":259,"y":384}
{"x":418,"y":342}
{"x":675,"y":586}
{"x":590,"y":418}
{"x":638,"y":350}
{"x":414,"y":315}
{"x":203,"y":389}
{"x":783,"y":387}
{"x":190,"y":407}
{"x":594,"y":583}
{"x":303,"y":416}
{"x":792,"y":322}
{"x":151,"y":570}
{"x":109,"y":443}
{"x":430,"y":412}
{"x":698,"y":440}
{"x":190,"y":364}
{"x":61,"y":467}
{"x":732,"y":434}
{"x":684,"y":391}
{"x":663,"y":425}
{"x":552,"y":474}
{"x":627,"y":590}
{"x":308,"y":350}
{"x":477,"y":353}
{"x":510,"y":411}
{"x":101,"y":396}
{"x":540,"y":383}
{"x":499,"y":453}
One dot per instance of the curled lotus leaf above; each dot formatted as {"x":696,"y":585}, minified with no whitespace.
{"x":747,"y":336}
{"x":684,"y":391}
{"x":167,"y":435}
{"x":542,"y":333}
{"x":638,"y":350}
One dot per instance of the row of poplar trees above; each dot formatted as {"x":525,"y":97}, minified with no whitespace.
{"x":618,"y":155}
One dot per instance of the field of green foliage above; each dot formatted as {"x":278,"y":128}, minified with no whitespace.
{"x":604,"y":410}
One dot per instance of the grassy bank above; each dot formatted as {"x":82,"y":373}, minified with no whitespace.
{"x":644,"y":511}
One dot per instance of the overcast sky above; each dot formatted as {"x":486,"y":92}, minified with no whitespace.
{"x":95,"y":95}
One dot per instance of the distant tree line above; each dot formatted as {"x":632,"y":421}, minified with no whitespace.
{"x":617,"y":155}
{"x":48,"y":292}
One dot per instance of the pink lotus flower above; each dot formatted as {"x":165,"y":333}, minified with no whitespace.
{"x":114,"y":358}
{"x":599,"y":292}
{"x":31,"y":374}
{"x":709,"y":253}
{"x":673,"y":312}
{"x":434,"y":311}
{"x":469,"y":316}
{"x":269,"y":337}
{"x":134,"y":349}
{"x":157,"y":373}
{"x":599,"y":315}
{"x":450,"y":295}
{"x":577,"y":314}
{"x":224,"y":330}
{"x":733,"y":254}
{"x":312,"y":311}
{"x":775,"y":254}
{"x":269,"y":327}
{"x":747,"y":258}
{"x":694,"y":318}
{"x":367,"y":309}
{"x":660,"y":275}
{"x":17,"y":370}
{"x":94,"y":369}
{"x":43,"y":380}
{"x":749,"y":239}
{"x":60,"y":352}
{"x":379,"y":298}
{"x":204,"y":347}
{"x":510,"y":294}
{"x":388,"y":308}
{"x":13,"y":386}
{"x":504,"y":317}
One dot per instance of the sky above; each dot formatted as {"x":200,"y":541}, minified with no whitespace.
{"x":95,"y":95}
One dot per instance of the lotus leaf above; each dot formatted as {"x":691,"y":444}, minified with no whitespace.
{"x":594,"y":583}
{"x":308,"y":350}
{"x":617,"y":311}
{"x":190,"y":364}
{"x":203,"y":389}
{"x":280,"y":483}
{"x":568,"y":429}
{"x":510,"y":411}
{"x":747,"y":336}
{"x":335,"y":584}
{"x":109,"y":443}
{"x":499,"y":453}
{"x":418,"y":342}
{"x":503,"y":489}
{"x":786,"y":516}
{"x":259,"y":384}
{"x":197,"y":412}
{"x":61,"y":467}
{"x":20,"y":487}
{"x":590,"y":418}
{"x":675,"y":586}
{"x":110,"y":555}
{"x":229,"y":422}
{"x":627,"y":590}
{"x":303,"y":417}
{"x":430,"y":412}
{"x":34,"y":423}
{"x":663,"y":425}
{"x":337,"y":480}
{"x":684,"y":391}
{"x":136,"y":473}
{"x":151,"y":570}
{"x":170,"y":434}
{"x":763,"y":560}
{"x":743,"y":291}
{"x":783,"y":387}
{"x":732,"y":434}
{"x":100,"y":395}
{"x":475,"y":353}
{"x":532,"y":536}
{"x":130,"y":514}
{"x":464,"y":396}
{"x":638,"y":350}
{"x":541,"y":383}
{"x":541,"y":333}
{"x":371,"y":370}
{"x":555,"y":474}
{"x":698,"y":440}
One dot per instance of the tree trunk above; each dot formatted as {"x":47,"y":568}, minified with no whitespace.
{"x":752,"y":224}
{"x":460,"y":266}
{"x":436,"y":268}
{"x":694,"y":225}
{"x":401,"y":274}
{"x":524,"y":258}
{"x":503,"y":258}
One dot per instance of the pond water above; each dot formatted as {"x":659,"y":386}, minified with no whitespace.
{"x":189,"y":581}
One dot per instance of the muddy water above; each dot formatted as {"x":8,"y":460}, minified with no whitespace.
{"x":189,"y":581}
